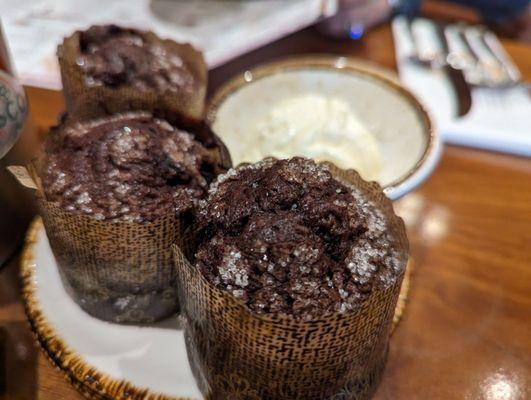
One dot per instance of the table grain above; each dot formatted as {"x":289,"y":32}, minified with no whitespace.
{"x":466,"y":332}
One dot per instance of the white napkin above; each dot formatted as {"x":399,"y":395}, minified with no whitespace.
{"x":500,"y":119}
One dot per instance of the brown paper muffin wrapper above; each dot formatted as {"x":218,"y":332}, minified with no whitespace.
{"x":117,"y":271}
{"x":237,"y":354}
{"x":87,"y":102}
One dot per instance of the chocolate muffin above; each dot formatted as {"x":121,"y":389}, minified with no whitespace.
{"x":130,"y":167}
{"x":293,"y":284}
{"x":108,"y":69}
{"x":287,"y":237}
{"x":115,"y":56}
{"x":115,"y":193}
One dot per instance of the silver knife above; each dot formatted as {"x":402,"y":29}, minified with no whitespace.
{"x":432,"y":49}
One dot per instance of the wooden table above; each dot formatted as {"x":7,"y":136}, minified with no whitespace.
{"x":466,"y":333}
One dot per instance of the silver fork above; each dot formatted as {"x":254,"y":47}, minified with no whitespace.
{"x":486,"y":65}
{"x":494,"y":65}
{"x":474,"y":50}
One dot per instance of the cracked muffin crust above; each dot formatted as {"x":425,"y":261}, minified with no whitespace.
{"x":114,"y":56}
{"x":287,"y":237}
{"x":128,"y":167}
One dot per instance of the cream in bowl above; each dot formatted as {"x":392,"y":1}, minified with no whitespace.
{"x":320,"y":127}
{"x":330,"y":109}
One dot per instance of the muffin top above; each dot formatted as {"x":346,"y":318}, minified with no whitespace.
{"x":113,"y":56}
{"x":129,"y":167}
{"x":287,"y":237}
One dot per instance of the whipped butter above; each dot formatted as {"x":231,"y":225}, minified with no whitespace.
{"x":314,"y":126}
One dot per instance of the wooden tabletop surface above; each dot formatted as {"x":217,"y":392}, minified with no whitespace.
{"x":466,"y":332}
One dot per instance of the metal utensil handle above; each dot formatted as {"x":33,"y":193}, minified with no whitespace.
{"x":494,"y":45}
{"x":493,"y":71}
{"x":403,"y":40}
{"x":427,"y":41}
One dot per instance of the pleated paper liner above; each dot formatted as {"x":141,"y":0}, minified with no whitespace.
{"x":237,"y":354}
{"x":118,"y":271}
{"x":177,"y":106}
{"x":86,"y":378}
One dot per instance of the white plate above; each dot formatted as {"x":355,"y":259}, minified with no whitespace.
{"x":105,"y":360}
{"x":409,"y":145}
{"x":151,"y":357}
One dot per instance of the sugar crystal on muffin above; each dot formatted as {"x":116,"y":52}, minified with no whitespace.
{"x":129,"y":167}
{"x":286,"y":236}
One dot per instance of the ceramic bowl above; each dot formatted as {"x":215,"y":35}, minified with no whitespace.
{"x":405,"y":136}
